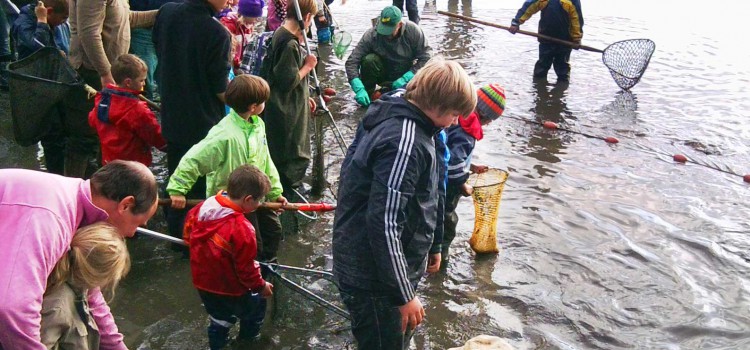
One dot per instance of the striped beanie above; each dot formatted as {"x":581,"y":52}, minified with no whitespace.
{"x":490,"y":101}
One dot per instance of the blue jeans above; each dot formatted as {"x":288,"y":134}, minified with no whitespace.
{"x":142,"y":46}
{"x":223,"y":312}
{"x":376,"y":320}
{"x":411,"y":8}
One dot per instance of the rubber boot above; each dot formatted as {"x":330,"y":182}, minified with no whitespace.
{"x":76,"y":164}
{"x":218,"y":336}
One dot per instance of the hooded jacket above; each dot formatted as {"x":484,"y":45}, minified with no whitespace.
{"x":229,"y":144}
{"x":385,"y":219}
{"x":562,"y":19}
{"x":29,"y":35}
{"x":222,"y":248}
{"x":461,"y":141}
{"x":126,"y":126}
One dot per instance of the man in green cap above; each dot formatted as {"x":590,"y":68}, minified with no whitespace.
{"x":388,"y":55}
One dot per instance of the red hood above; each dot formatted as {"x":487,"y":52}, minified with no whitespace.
{"x":472,"y":126}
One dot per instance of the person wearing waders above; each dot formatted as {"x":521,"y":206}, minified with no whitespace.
{"x":561,"y":19}
{"x":387,"y":211}
{"x":287,"y":68}
{"x":388,"y":55}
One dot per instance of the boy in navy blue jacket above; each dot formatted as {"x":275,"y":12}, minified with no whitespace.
{"x":385,"y":220}
{"x":461,"y":141}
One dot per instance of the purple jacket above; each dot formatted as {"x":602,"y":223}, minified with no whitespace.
{"x":39,"y":213}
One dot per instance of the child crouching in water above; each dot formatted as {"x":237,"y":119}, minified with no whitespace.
{"x":222,"y":257}
{"x":127,"y":128}
{"x":461,"y":140}
{"x":98,"y":258}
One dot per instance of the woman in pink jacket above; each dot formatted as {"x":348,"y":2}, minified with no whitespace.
{"x":39,"y":213}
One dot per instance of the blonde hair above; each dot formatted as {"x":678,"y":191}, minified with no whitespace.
{"x":98,"y":257}
{"x":443,"y":86}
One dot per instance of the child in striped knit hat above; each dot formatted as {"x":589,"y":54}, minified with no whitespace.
{"x":460,"y":142}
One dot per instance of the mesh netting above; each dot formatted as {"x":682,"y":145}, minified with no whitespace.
{"x":627,"y":60}
{"x":488,"y":190}
{"x":38,"y":84}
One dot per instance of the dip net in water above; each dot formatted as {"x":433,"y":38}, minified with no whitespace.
{"x":488,"y":190}
{"x":38,"y":85}
{"x":627,"y":60}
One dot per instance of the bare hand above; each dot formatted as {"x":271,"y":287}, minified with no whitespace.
{"x":433,"y":263}
{"x":313,"y":106}
{"x":311,"y":61}
{"x":467,"y":190}
{"x":41,"y":12}
{"x":513,"y":29}
{"x":577,"y":45}
{"x":178,"y":202}
{"x":412,"y":314}
{"x":283,"y":202}
{"x":478,"y":168}
{"x":107,"y":80}
{"x":267,"y":291}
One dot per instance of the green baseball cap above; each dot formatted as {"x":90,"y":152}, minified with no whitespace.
{"x":389,"y":19}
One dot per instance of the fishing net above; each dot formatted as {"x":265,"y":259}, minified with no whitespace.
{"x":627,"y":60}
{"x":39,"y":84}
{"x":488,"y":190}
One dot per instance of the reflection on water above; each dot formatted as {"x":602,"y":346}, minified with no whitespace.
{"x":602,"y":246}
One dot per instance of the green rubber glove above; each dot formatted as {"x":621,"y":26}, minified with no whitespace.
{"x":401,"y":82}
{"x":360,"y":94}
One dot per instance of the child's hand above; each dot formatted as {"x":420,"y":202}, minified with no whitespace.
{"x":267,"y":290}
{"x":41,"y":12}
{"x":283,"y":202}
{"x":433,"y":263}
{"x":178,"y":202}
{"x":478,"y":168}
{"x":467,"y":190}
{"x":311,"y":61}
{"x":313,"y":106}
{"x":412,"y":314}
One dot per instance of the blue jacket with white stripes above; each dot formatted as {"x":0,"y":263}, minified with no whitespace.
{"x":387,"y":201}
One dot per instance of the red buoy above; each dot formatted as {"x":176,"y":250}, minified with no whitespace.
{"x":329,"y":91}
{"x":327,"y":98}
{"x":679,"y":158}
{"x":549,"y":125}
{"x":611,"y":140}
{"x":746,"y":178}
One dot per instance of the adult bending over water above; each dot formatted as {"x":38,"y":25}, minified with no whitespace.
{"x":39,"y":214}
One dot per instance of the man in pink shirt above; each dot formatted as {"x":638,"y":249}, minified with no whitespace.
{"x":39,"y":213}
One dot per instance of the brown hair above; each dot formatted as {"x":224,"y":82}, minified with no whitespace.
{"x":120,"y":178}
{"x":248,"y":180}
{"x":98,"y":257}
{"x":127,"y":66}
{"x":246,"y":90}
{"x":443,"y":86}
{"x":58,"y":6}
{"x":305,"y":6}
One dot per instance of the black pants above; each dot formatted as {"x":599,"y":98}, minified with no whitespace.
{"x":268,"y":233}
{"x":224,"y":311}
{"x":450,"y":219}
{"x":553,"y":55}
{"x":376,"y":320}
{"x":176,"y":217}
{"x":411,"y":7}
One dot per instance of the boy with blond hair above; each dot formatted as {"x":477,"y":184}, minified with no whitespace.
{"x":127,"y":128}
{"x":385,"y":220}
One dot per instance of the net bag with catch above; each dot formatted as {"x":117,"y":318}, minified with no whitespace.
{"x":38,"y":85}
{"x":627,"y":60}
{"x":488,"y":190}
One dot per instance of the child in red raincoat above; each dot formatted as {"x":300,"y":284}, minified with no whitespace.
{"x":127,"y":128}
{"x":223,"y":248}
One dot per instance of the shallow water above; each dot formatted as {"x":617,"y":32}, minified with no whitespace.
{"x":602,"y":246}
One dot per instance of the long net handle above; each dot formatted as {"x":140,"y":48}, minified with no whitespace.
{"x":541,"y":36}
